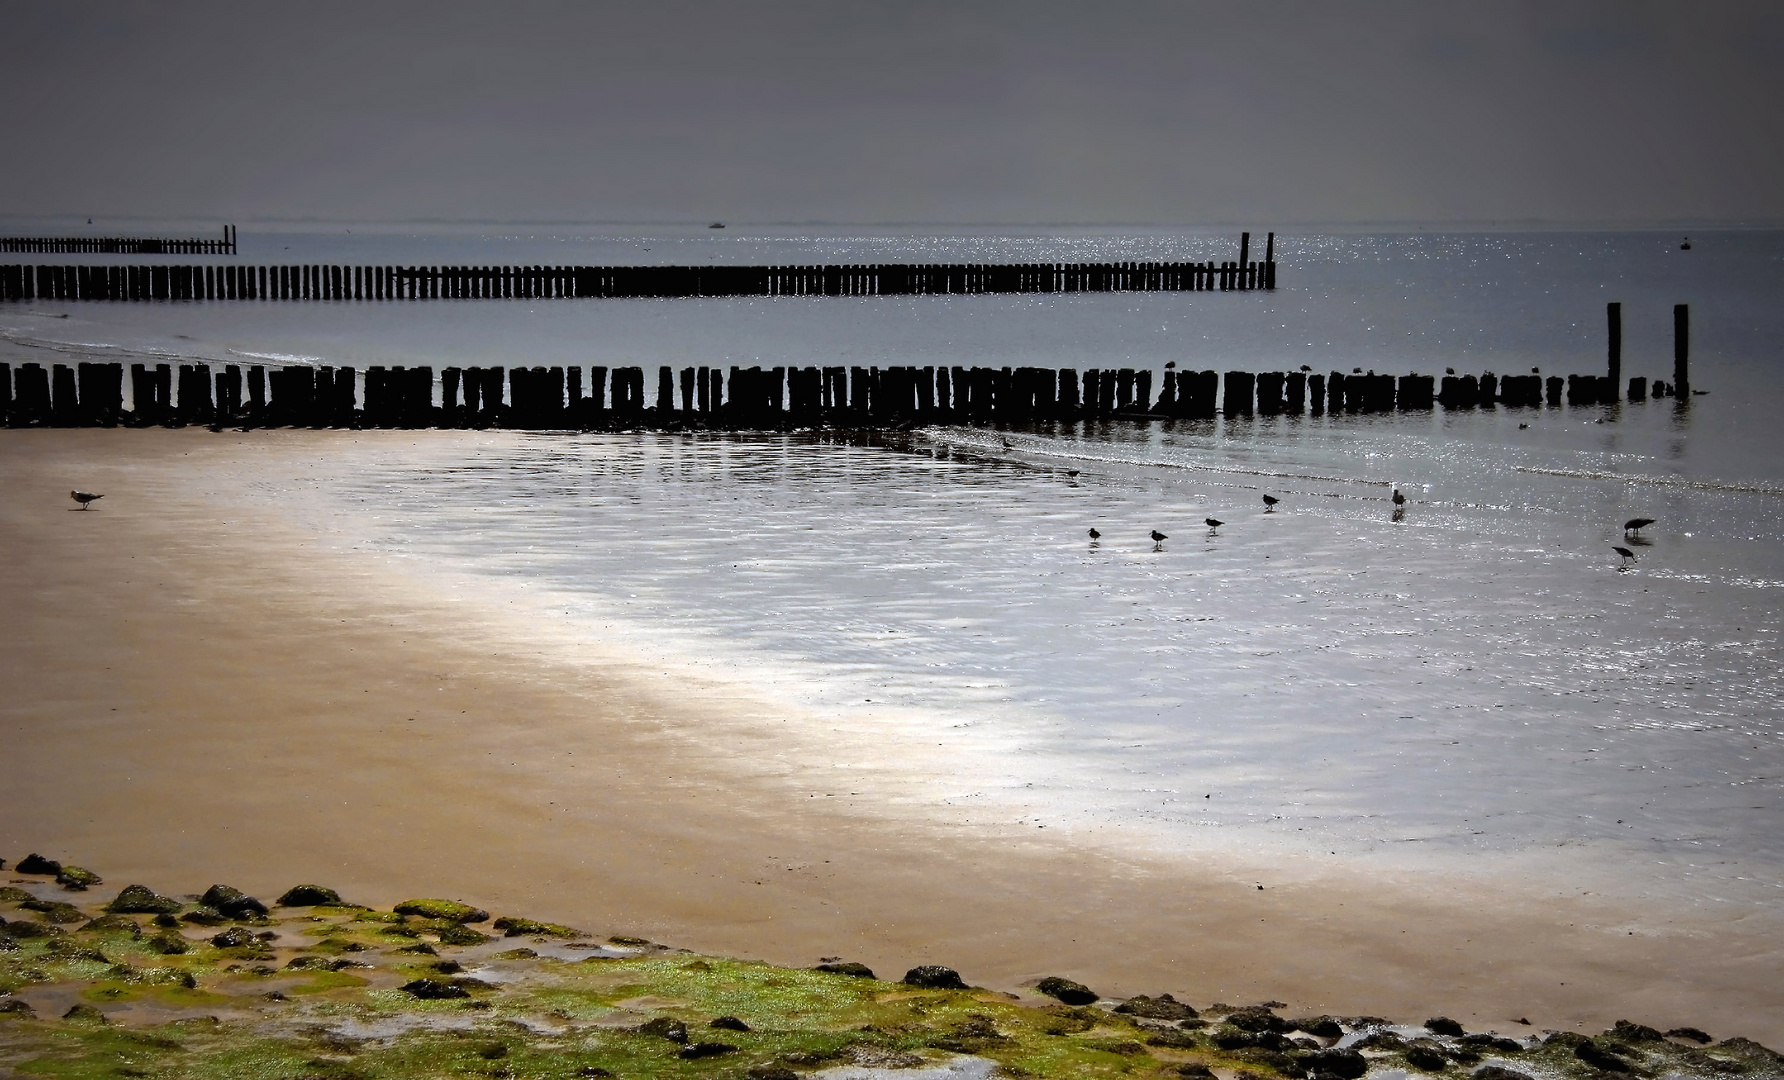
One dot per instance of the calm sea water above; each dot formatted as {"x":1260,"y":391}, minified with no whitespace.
{"x":1478,"y":676}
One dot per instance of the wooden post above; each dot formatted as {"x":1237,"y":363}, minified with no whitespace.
{"x":1613,"y":314}
{"x":665,"y":391}
{"x":1316,"y":394}
{"x":1238,"y":393}
{"x":1681,"y":379}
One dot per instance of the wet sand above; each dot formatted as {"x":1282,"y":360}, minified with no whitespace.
{"x":197,"y":692}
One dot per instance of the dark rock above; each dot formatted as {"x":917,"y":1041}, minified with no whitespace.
{"x":1443,"y":1025}
{"x":67,"y":949}
{"x":232,"y":902}
{"x":494,"y":1051}
{"x":77,"y":879}
{"x":1498,"y":1072}
{"x":933,"y":977}
{"x":1323,"y":1026}
{"x":141,"y":900}
{"x":204,"y":916}
{"x":1565,"y":1039}
{"x":513,"y":927}
{"x":169,"y":943}
{"x":465,"y":982}
{"x":1258,"y":1018}
{"x":1234,"y":1039}
{"x":1461,"y":1054}
{"x":420,"y":949}
{"x":85,"y":1014}
{"x":166,"y":921}
{"x":234,"y":938}
{"x":12,"y":894}
{"x":1346,"y":1064}
{"x":859,"y":971}
{"x":22,"y":929}
{"x":705,"y":1050}
{"x":768,"y":1070}
{"x":6,"y":943}
{"x":1162,"y":1007}
{"x":1741,"y":1045}
{"x":1274,"y":1059}
{"x":1196,"y":1070}
{"x":16,"y":1007}
{"x":55,"y":911}
{"x":1176,"y":1040}
{"x":1427,"y":1058}
{"x":114,"y":924}
{"x":516,"y":954}
{"x":1691,"y":1033}
{"x":1072,"y":993}
{"x":274,"y":995}
{"x":310,"y":896}
{"x":446,"y":910}
{"x":1600,"y":1058}
{"x":1634,"y":1033}
{"x":310,"y":963}
{"x":37,"y":864}
{"x":630,"y":942}
{"x":433,"y":990}
{"x":1487,"y":1040}
{"x":729,"y":1023}
{"x":457,"y":934}
{"x":665,"y":1027}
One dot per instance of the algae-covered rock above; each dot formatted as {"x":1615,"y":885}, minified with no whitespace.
{"x":113,"y":924}
{"x":631,"y":942}
{"x":933,"y":977}
{"x":1498,"y":1072}
{"x":515,"y":927}
{"x":22,"y":929}
{"x":17,"y":1009}
{"x":1600,"y":1058}
{"x":67,"y":949}
{"x":1483,"y":1040}
{"x":142,"y":900}
{"x":433,"y":990}
{"x":37,"y":864}
{"x":204,"y":915}
{"x":1443,"y":1025}
{"x":6,"y":943}
{"x":1634,"y":1033}
{"x":1258,"y":1018}
{"x":169,"y":943}
{"x":847,"y":967}
{"x":12,"y":894}
{"x":459,"y":934}
{"x":232,"y":902}
{"x":1066,"y":990}
{"x":705,"y":1050}
{"x":449,"y":910}
{"x":309,"y":896}
{"x":1162,"y":1007}
{"x":516,"y":954}
{"x":1691,"y":1033}
{"x":1175,"y":1040}
{"x":1345,"y":1064}
{"x":1069,"y":1019}
{"x":78,"y":878}
{"x":665,"y":1027}
{"x":55,"y":911}
{"x":1324,"y":1026}
{"x":729,"y":1023}
{"x":767,"y":1070}
{"x":85,"y":1014}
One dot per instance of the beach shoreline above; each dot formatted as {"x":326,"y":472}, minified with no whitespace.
{"x":201,"y":691}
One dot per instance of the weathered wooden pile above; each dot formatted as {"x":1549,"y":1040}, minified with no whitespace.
{"x":118,"y":245}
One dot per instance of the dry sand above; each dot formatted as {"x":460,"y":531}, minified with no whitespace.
{"x":194,"y":692}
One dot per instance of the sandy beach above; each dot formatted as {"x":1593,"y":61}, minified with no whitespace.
{"x":198,"y":691}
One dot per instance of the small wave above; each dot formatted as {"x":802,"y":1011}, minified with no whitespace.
{"x":282,"y":358}
{"x":100,"y":348}
{"x":949,"y":438}
{"x":1658,"y":481}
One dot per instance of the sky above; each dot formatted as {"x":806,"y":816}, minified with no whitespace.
{"x":1037,"y":112}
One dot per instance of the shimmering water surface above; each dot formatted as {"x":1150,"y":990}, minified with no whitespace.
{"x":1480,"y":674}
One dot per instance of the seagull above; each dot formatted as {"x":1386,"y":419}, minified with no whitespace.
{"x":1628,"y":556}
{"x":1399,"y":499}
{"x":1637,"y":524}
{"x":1094,"y":535}
{"x":1213,"y":523}
{"x":85,"y":498}
{"x":1158,"y":537}
{"x":1270,"y":502}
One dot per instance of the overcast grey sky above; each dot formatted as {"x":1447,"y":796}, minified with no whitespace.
{"x":1168,"y":113}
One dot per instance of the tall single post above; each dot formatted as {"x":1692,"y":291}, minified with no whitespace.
{"x":1682,"y":350}
{"x":1613,"y":314}
{"x":1244,"y":259}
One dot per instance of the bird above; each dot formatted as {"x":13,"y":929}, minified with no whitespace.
{"x":1270,"y":502}
{"x":1158,"y":537}
{"x":1071,"y":472}
{"x":1637,"y":524}
{"x":1521,"y":427}
{"x":1399,"y":499}
{"x":1628,"y":556}
{"x":85,"y":498}
{"x":1094,"y":535}
{"x":1213,"y":523}
{"x":1006,"y":445}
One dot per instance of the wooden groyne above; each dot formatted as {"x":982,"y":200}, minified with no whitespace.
{"x":119,"y":245}
{"x":361,"y":282}
{"x":737,"y":398}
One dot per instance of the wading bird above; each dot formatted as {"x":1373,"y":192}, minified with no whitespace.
{"x":1213,"y":524}
{"x":1094,"y":535}
{"x":1399,"y":499}
{"x":1628,"y":556}
{"x":1637,"y":524}
{"x":1270,"y":502}
{"x":85,"y":498}
{"x":1158,"y":537}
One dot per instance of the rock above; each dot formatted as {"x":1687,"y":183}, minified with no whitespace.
{"x":68,"y":949}
{"x":1323,"y":1026}
{"x":1196,"y":1070}
{"x":22,"y":929}
{"x":494,"y":1051}
{"x":1634,"y":1033}
{"x":456,"y":934}
{"x":1258,"y":1018}
{"x":665,"y":1027}
{"x":1066,"y":990}
{"x":1345,"y":1064}
{"x":1426,"y":1057}
{"x":234,"y":938}
{"x":12,"y":894}
{"x":516,"y":954}
{"x":37,"y":864}
{"x":6,"y":943}
{"x":1175,"y":1040}
{"x":729,"y":1023}
{"x":1565,"y":1039}
{"x":629,"y":942}
{"x":141,"y":900}
{"x":1490,"y":1041}
{"x":1162,"y":1007}
{"x":77,"y":879}
{"x":310,"y":963}
{"x":705,"y":1050}
{"x":1498,"y":1072}
{"x":1069,"y":1019}
{"x":85,"y":1014}
{"x":18,"y":1008}
{"x":1600,"y":1058}
{"x":859,"y":971}
{"x":433,"y":990}
{"x":422,"y":948}
{"x":310,"y":896}
{"x":1443,"y":1025}
{"x":55,"y":911}
{"x":1746,"y":1046}
{"x":106,"y":924}
{"x":768,"y":1070}
{"x":447,"y":967}
{"x":1691,"y":1033}
{"x":933,"y":977}
{"x":513,"y":927}
{"x":169,"y":943}
{"x":231,"y":902}
{"x":166,"y":921}
{"x":204,"y":916}
{"x":1273,"y":1059}
{"x":446,"y":910}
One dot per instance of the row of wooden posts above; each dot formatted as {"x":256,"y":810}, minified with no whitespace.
{"x":329,"y":282}
{"x":119,"y":245}
{"x":598,"y":398}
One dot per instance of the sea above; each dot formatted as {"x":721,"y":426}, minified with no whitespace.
{"x":1476,"y":680}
